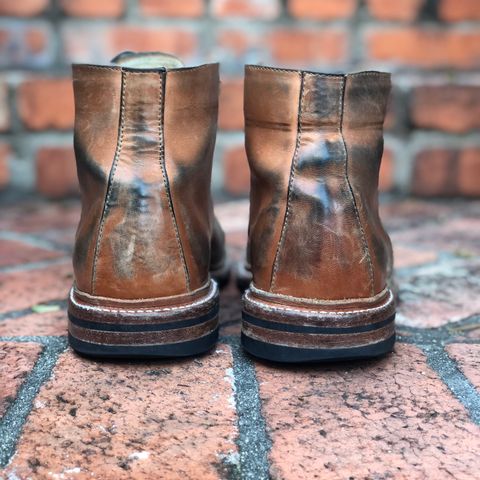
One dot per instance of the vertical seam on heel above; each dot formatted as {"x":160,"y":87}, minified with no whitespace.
{"x":290,"y":183}
{"x":366,"y":249}
{"x":165,"y":176}
{"x":118,"y":150}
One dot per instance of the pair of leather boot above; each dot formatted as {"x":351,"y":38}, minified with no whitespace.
{"x":149,"y":254}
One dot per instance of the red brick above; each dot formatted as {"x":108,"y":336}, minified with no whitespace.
{"x":56,"y":172}
{"x":4,"y":108}
{"x":439,"y":294}
{"x":453,"y":108}
{"x":92,"y":8}
{"x":173,"y":8}
{"x":98,"y":43}
{"x":24,"y":289}
{"x":236,"y":171}
{"x":403,"y":10}
{"x":469,"y":172}
{"x":230,"y":114}
{"x":16,"y":361}
{"x":294,"y":46}
{"x":46,"y":103}
{"x":176,"y":41}
{"x":457,"y":236}
{"x":324,"y":10}
{"x":233,"y":216}
{"x":468,"y":358}
{"x":458,"y":10}
{"x":51,"y":323}
{"x":447,"y":172}
{"x":386,"y":177}
{"x":4,"y":167}
{"x":246,"y":8}
{"x":234,"y":44}
{"x":406,"y":257}
{"x":23,"y":8}
{"x":439,"y":48}
{"x":13,"y":252}
{"x":41,"y":218}
{"x":23,"y":44}
{"x":372,"y":420}
{"x":132,"y":420}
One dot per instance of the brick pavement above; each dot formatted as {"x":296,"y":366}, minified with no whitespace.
{"x":413,"y":414}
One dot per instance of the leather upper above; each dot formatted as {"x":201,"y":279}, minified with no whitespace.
{"x":144,"y":141}
{"x":314,"y":143}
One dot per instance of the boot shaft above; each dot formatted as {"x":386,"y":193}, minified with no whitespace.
{"x":144,"y":141}
{"x":314,"y":144}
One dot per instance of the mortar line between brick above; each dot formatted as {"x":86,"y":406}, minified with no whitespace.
{"x":253,"y":441}
{"x":448,"y":371}
{"x":36,"y":265}
{"x":11,"y":425}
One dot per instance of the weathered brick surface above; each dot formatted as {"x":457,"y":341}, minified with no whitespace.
{"x":386,"y":176}
{"x":459,"y":10}
{"x":230,"y":113}
{"x":440,"y":48}
{"x":16,"y":361}
{"x":25,"y":8}
{"x":458,"y":236}
{"x":5,"y":152}
{"x":19,"y":290}
{"x":132,"y":420}
{"x":439,"y":294}
{"x":172,"y":8}
{"x":452,"y":108}
{"x":40,"y":217}
{"x":404,"y":10}
{"x":236,"y":171}
{"x":406,"y":257}
{"x":46,"y":103}
{"x":56,"y":172}
{"x":372,"y":420}
{"x":324,"y":10}
{"x":267,"y":9}
{"x":304,"y":46}
{"x":50,"y":323}
{"x":441,"y":171}
{"x":14,"y":252}
{"x":468,"y":359}
{"x":92,"y":8}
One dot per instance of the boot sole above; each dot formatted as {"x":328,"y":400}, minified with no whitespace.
{"x":167,"y":332}
{"x":287,"y":334}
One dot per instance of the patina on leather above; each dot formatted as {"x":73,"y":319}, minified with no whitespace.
{"x":144,"y":140}
{"x":314,"y":143}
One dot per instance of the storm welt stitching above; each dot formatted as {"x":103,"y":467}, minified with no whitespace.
{"x":290,"y":185}
{"x":366,"y":249}
{"x":212,"y":294}
{"x":165,"y":179}
{"x":116,"y":157}
{"x":388,"y":303}
{"x":317,"y":301}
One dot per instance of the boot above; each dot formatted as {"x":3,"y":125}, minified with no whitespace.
{"x":144,"y":137}
{"x":319,"y":255}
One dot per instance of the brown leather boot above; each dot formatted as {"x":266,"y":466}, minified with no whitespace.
{"x":318,"y":252}
{"x":144,"y":137}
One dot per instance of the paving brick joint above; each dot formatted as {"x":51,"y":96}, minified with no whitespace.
{"x":225,"y":415}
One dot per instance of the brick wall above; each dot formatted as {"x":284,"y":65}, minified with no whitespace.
{"x":432,"y":47}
